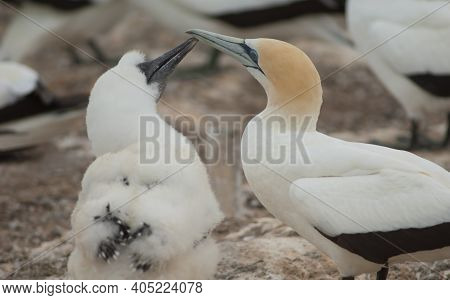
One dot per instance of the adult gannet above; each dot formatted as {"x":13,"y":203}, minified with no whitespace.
{"x":30,"y":114}
{"x":414,"y":65}
{"x":363,"y":205}
{"x":72,"y":20}
{"x":152,"y":219}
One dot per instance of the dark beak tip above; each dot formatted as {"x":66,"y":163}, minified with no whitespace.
{"x":192,"y":42}
{"x":160,"y":68}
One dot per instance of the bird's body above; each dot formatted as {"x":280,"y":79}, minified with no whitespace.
{"x":177,"y":245}
{"x":29,"y":113}
{"x":34,"y":26}
{"x":415,"y":65}
{"x":363,"y":205}
{"x":359,"y":190}
{"x":149,"y":200}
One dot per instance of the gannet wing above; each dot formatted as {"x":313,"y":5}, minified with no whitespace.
{"x":419,"y":49}
{"x":432,"y":13}
{"x":377,"y":215}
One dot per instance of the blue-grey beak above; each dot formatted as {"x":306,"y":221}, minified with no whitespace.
{"x":232,"y":46}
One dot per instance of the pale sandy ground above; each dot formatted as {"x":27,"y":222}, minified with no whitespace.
{"x":38,"y":188}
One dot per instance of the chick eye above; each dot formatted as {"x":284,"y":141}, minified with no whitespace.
{"x":125,"y":181}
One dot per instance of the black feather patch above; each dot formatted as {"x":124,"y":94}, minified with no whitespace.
{"x":63,"y":4}
{"x":40,"y":101}
{"x":379,"y":246}
{"x":257,"y":17}
{"x":437,"y":85}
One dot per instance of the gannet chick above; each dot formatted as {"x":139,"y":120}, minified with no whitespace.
{"x":144,"y":221}
{"x":161,"y":234}
{"x":125,"y":92}
{"x":414,"y":66}
{"x":365,"y":206}
{"x":30,"y":113}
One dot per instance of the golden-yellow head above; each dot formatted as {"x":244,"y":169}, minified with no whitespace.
{"x":288,"y":75}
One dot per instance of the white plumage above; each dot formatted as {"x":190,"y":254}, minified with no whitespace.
{"x":110,"y":102}
{"x":16,"y":81}
{"x":414,"y":65}
{"x":363,"y":205}
{"x":177,"y":210}
{"x":384,"y":197}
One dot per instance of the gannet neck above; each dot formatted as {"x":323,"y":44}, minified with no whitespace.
{"x":300,"y":113}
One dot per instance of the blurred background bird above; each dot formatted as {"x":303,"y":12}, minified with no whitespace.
{"x":318,"y":19}
{"x":30,"y":114}
{"x":409,"y":54}
{"x":36,"y":22}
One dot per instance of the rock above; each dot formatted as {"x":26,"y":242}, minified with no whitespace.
{"x":267,"y":249}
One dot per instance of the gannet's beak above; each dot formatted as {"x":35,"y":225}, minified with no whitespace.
{"x":235,"y":47}
{"x":159,"y":69}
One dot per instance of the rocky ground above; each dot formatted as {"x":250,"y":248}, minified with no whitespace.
{"x":39,"y":187}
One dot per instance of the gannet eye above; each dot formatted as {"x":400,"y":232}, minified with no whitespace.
{"x":253,"y":55}
{"x":125,"y":181}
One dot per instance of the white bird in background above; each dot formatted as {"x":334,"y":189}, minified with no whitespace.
{"x":72,"y":20}
{"x":319,"y":19}
{"x":415,"y":65}
{"x":363,"y":205}
{"x":151,"y":220}
{"x":29,"y":113}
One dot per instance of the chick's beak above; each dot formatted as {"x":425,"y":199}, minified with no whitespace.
{"x":235,"y":47}
{"x":157,"y":70}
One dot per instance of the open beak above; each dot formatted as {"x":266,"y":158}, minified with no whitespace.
{"x":235,"y":47}
{"x":159,"y":69}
